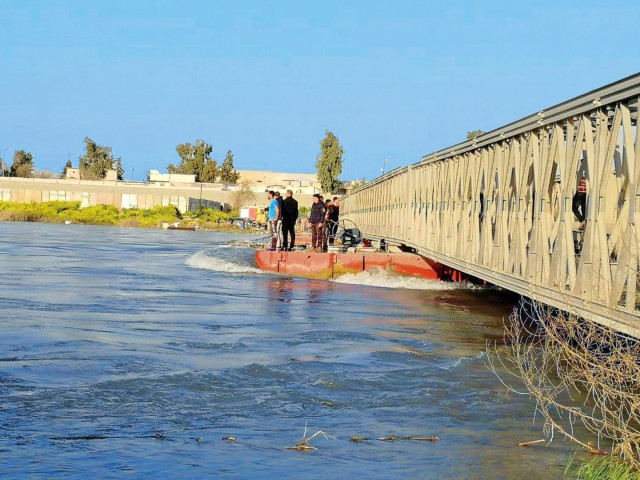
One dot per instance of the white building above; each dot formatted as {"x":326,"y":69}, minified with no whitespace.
{"x":261,"y":180}
{"x":170,"y":178}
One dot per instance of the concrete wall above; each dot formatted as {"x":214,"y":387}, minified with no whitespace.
{"x":121,"y":194}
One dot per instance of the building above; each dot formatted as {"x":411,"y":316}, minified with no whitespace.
{"x":74,"y":174}
{"x":170,"y":178}
{"x":262,"y":180}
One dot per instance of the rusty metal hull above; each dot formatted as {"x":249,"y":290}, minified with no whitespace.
{"x":330,"y":265}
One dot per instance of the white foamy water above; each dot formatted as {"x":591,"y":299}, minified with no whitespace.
{"x":211,"y":261}
{"x":384,"y":279}
{"x":227,"y":259}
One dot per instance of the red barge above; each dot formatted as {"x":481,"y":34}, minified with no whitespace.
{"x":329,"y":265}
{"x":352,"y":254}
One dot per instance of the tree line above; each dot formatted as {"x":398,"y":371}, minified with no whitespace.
{"x":97,"y":160}
{"x":195,"y":159}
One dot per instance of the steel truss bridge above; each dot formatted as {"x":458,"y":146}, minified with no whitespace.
{"x":499,"y":206}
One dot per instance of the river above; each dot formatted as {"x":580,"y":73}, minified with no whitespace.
{"x":130,"y":353}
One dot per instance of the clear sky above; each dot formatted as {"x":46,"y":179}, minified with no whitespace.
{"x":266,"y":79}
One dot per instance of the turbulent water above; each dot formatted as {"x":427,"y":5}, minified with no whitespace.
{"x":130,"y":353}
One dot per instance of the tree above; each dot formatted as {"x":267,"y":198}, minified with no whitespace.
{"x":329,"y":163}
{"x":473,"y":134}
{"x":22,"y":164}
{"x":66,"y":165}
{"x":194,"y":159}
{"x":97,"y":160}
{"x":244,"y":196}
{"x":228,"y":173}
{"x":358,"y":183}
{"x":42,"y":173}
{"x":210,"y":171}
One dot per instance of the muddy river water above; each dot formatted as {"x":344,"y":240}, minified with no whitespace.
{"x":129,"y":353}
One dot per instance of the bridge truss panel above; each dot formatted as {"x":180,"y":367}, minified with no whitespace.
{"x":501,"y":207}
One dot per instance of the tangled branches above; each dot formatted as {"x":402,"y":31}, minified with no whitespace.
{"x":576,"y":371}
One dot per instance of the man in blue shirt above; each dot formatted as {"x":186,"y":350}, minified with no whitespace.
{"x":273,"y":217}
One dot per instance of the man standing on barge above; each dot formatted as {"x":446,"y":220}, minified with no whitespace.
{"x":289,"y":217}
{"x":317,"y":218}
{"x":273,"y":217}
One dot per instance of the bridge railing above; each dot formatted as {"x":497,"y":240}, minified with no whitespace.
{"x":503,"y":207}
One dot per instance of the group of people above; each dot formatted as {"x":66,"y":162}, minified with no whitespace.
{"x":282,"y":217}
{"x":283,"y":214}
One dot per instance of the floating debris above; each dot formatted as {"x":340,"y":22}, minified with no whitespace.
{"x":534,"y":442}
{"x":595,"y":451}
{"x":229,"y":439}
{"x":421,"y":439}
{"x":303,"y":445}
{"x":395,"y":438}
{"x":358,"y":439}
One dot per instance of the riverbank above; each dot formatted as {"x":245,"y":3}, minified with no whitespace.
{"x":70,"y":212}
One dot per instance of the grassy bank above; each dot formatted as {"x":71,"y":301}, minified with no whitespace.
{"x":599,"y":468}
{"x":60,"y":212}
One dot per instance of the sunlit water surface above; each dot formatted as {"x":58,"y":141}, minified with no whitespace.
{"x":112,"y":337}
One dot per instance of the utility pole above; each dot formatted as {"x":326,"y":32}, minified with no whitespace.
{"x":2,"y":159}
{"x":384,"y":164}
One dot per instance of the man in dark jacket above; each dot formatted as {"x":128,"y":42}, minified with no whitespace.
{"x":289,"y":217}
{"x":316,"y":219}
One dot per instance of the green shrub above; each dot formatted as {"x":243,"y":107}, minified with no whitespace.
{"x":162,"y":210}
{"x":58,"y":212}
{"x":95,"y":215}
{"x":210,"y":215}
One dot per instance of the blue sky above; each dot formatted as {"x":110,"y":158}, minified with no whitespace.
{"x":266,"y":79}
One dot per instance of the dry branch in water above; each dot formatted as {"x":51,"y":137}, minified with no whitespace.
{"x":526,"y":444}
{"x":395,"y":438}
{"x":303,"y":444}
{"x":576,"y":371}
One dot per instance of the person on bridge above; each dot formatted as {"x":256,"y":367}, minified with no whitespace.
{"x":289,"y":217}
{"x":579,"y":204}
{"x":316,"y":219}
{"x":272,"y":218}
